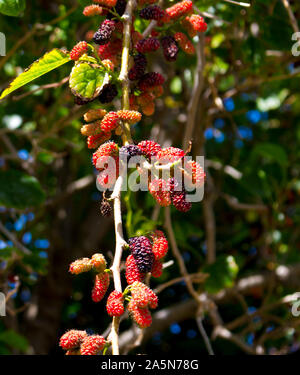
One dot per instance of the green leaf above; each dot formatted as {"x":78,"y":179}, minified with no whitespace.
{"x":19,"y":190}
{"x":272,"y":152}
{"x":87,"y":80}
{"x":14,"y":340}
{"x":12,"y":8}
{"x":50,"y":61}
{"x":221,"y":274}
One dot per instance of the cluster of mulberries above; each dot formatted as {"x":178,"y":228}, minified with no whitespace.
{"x":99,"y":265}
{"x":146,"y":255}
{"x":142,"y":298}
{"x":97,"y":262}
{"x":77,"y":342}
{"x":139,"y":67}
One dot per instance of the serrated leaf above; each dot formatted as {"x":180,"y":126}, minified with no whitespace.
{"x":19,"y":190}
{"x":87,"y":80}
{"x":50,"y":61}
{"x":12,"y":8}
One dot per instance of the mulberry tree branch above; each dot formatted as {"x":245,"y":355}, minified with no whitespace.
{"x":126,"y":138}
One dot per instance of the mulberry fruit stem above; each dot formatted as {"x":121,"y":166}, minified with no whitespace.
{"x":116,"y":195}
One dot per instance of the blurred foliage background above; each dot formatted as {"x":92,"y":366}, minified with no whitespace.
{"x":245,"y":234}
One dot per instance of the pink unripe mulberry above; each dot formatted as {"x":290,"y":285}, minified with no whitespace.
{"x":80,"y":266}
{"x":158,"y":189}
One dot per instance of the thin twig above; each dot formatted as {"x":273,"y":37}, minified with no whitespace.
{"x":14,"y":240}
{"x":292,"y":17}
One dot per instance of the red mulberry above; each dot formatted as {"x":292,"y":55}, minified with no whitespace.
{"x":78,"y":50}
{"x":180,"y":9}
{"x":100,"y":286}
{"x":108,"y":149}
{"x":110,"y":122}
{"x":115,"y":304}
{"x":142,"y":317}
{"x":106,"y":3}
{"x":143,"y":295}
{"x":72,"y":339}
{"x":170,"y":155}
{"x":195,"y":172}
{"x":147,"y":45}
{"x":132,"y":273}
{"x":160,"y":244}
{"x":149,"y":148}
{"x":95,"y":141}
{"x":158,"y":189}
{"x":157,"y":269}
{"x":92,"y":345}
{"x":185,"y":44}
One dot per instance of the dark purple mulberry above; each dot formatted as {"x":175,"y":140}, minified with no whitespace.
{"x":103,"y":35}
{"x":105,"y":208}
{"x":81,"y":101}
{"x":170,"y":48}
{"x":152,"y":12}
{"x":141,"y":249}
{"x":129,"y":151}
{"x":120,"y":9}
{"x":150,"y":80}
{"x":139,"y":67}
{"x":108,"y":93}
{"x":147,"y":45}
